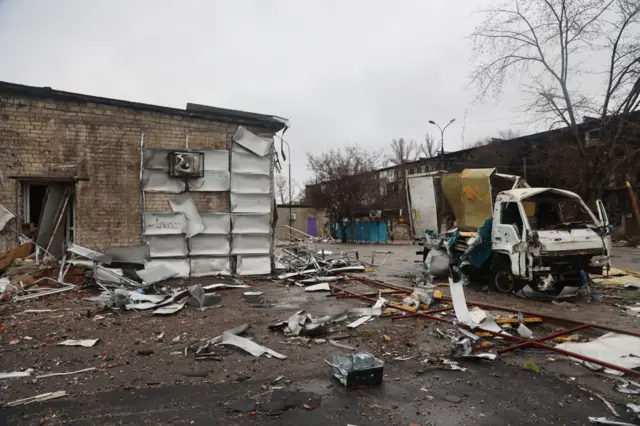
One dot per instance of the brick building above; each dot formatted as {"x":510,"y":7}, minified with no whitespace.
{"x":99,"y":153}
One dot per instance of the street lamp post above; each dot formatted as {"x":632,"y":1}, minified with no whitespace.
{"x":442,"y":139}
{"x":285,"y":159}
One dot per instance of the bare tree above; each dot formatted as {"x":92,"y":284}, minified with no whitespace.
{"x":508,"y":134}
{"x":281,"y":184}
{"x":478,"y":143}
{"x":342,"y":181}
{"x":403,"y":151}
{"x":429,"y":148}
{"x":550,"y":44}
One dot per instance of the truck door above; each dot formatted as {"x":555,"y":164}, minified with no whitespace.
{"x":508,"y":230}
{"x":604,"y":221}
{"x":423,"y":204}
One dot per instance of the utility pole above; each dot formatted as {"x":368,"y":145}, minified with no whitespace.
{"x":444,"y":166}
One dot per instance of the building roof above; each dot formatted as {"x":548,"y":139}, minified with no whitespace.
{"x":270,"y":122}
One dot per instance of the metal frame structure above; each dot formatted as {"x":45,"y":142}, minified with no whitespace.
{"x":520,"y":342}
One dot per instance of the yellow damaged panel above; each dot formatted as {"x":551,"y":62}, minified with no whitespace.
{"x":469,"y":194}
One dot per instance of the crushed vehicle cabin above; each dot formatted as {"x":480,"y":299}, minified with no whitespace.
{"x":525,"y":240}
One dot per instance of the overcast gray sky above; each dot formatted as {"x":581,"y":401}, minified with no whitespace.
{"x":341,"y":71}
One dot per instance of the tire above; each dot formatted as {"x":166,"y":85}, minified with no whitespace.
{"x":502,"y":279}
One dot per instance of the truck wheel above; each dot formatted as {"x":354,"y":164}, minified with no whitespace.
{"x":502,"y":279}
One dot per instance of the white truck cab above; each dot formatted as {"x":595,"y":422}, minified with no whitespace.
{"x":541,"y":236}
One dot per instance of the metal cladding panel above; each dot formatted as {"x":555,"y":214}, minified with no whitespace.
{"x":209,"y":245}
{"x":216,"y":160}
{"x":207,"y":266}
{"x":156,"y":159}
{"x":167,"y":245}
{"x":164,"y":223}
{"x":179,"y":266}
{"x":251,"y":203}
{"x":258,"y":145}
{"x":251,"y":223}
{"x":216,"y":223}
{"x":5,"y":216}
{"x":159,"y":181}
{"x":212,"y":181}
{"x":251,"y":244}
{"x":253,"y":265}
{"x":244,"y":183}
{"x":249,"y":163}
{"x":183,"y":203}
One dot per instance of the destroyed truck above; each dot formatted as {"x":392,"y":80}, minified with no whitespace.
{"x":493,"y":226}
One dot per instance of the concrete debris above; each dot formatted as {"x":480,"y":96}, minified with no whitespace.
{"x":357,"y":369}
{"x":87,"y":343}
{"x":38,"y":398}
{"x":15,"y":374}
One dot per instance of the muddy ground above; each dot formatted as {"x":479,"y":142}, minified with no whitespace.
{"x":167,"y":387}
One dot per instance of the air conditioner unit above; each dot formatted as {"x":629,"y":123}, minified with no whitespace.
{"x":292,"y":216}
{"x":186,"y":164}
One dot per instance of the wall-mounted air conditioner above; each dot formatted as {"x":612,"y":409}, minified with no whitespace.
{"x":186,"y":164}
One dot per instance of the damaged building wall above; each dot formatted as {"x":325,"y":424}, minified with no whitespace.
{"x":94,"y":144}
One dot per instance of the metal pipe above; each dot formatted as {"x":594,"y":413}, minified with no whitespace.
{"x":547,"y":337}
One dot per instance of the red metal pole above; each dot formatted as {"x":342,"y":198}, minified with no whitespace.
{"x":548,"y":337}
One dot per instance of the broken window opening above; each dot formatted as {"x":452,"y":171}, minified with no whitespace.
{"x":510,"y":215}
{"x":556,"y":211}
{"x":48,"y":214}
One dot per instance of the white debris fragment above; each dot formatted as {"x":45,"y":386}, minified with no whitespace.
{"x":249,"y":346}
{"x":38,"y":398}
{"x":16,"y":374}
{"x":86,"y":343}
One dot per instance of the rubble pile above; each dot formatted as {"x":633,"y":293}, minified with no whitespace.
{"x":299,"y":261}
{"x":27,"y":274}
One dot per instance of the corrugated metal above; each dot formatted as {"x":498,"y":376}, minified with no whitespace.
{"x":159,"y":181}
{"x":212,"y":181}
{"x":183,"y":203}
{"x":245,"y":183}
{"x":253,"y":265}
{"x":206,"y":266}
{"x":164,"y":223}
{"x":251,"y":244}
{"x":167,"y":245}
{"x":251,"y":223}
{"x":209,"y":245}
{"x":251,"y":203}
{"x":216,"y":223}
{"x":179,"y":266}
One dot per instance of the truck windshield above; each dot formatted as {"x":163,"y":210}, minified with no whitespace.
{"x":556,"y":211}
